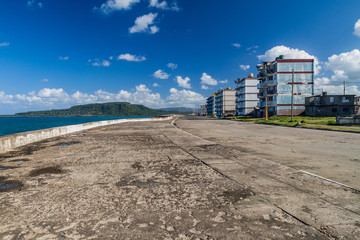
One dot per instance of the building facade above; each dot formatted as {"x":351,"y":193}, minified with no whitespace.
{"x":276,"y":82}
{"x":210,"y":105}
{"x":246,"y":95}
{"x":331,"y":105}
{"x":225,"y":102}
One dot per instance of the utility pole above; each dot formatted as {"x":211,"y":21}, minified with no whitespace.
{"x":266,"y":103}
{"x":292,"y":96}
{"x":344,"y":88}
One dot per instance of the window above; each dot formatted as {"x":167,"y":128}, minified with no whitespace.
{"x":345,"y":109}
{"x":331,"y":99}
{"x":345,"y":99}
{"x":334,"y":110}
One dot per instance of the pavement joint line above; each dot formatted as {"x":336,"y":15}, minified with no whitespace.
{"x":173,"y":124}
{"x":329,"y":180}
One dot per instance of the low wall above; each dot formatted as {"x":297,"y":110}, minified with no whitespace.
{"x":13,"y":141}
{"x":348,"y":120}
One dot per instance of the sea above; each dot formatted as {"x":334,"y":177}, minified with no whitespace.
{"x":11,"y":125}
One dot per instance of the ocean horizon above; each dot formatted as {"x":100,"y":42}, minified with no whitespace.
{"x":11,"y":125}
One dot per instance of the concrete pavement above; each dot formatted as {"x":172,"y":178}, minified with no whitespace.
{"x":154,"y":181}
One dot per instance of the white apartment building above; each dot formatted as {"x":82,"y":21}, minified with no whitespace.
{"x":225,"y":102}
{"x":246,"y":95}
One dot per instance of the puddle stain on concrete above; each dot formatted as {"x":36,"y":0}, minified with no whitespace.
{"x":9,"y":185}
{"x":3,"y":168}
{"x":65,"y":144}
{"x":46,"y":170}
{"x":20,"y":160}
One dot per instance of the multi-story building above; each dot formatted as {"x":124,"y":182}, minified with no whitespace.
{"x":276,"y":82}
{"x":246,"y":95}
{"x":210,"y":105}
{"x":225,"y":102}
{"x":331,"y":105}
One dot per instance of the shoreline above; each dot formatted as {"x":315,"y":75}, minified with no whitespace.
{"x":12,"y":141}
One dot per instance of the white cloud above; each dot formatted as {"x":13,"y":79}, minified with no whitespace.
{"x":157,"y":4}
{"x":156,"y":85}
{"x":162,"y":4}
{"x":204,"y":87}
{"x":252,"y":48}
{"x":172,"y":66}
{"x":245,"y":67}
{"x":184,"y":98}
{"x":357,"y":28}
{"x":64,"y":58}
{"x":52,"y":98}
{"x":289,"y":53}
{"x":237,"y":45}
{"x":338,"y":89}
{"x":345,"y":66}
{"x":131,"y":58}
{"x":142,"y":88}
{"x":183,"y":82}
{"x":32,"y":3}
{"x":160,"y":74}
{"x":98,"y":63}
{"x":4,"y":44}
{"x":45,"y":80}
{"x":145,"y":23}
{"x":224,"y":81}
{"x":116,"y":5}
{"x":208,"y":80}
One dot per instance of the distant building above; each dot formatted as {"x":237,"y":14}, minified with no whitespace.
{"x":246,"y":95}
{"x":357,"y":105}
{"x":202,"y":111}
{"x":210,"y":105}
{"x":331,"y":105}
{"x":225,"y":102}
{"x":275,"y":84}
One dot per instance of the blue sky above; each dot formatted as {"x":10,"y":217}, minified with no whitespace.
{"x":164,"y":53}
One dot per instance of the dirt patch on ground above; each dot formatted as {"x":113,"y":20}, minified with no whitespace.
{"x":238,"y":194}
{"x":140,"y":184}
{"x":137,"y":166}
{"x":51,"y":170}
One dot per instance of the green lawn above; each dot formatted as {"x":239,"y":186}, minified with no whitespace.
{"x":306,"y":122}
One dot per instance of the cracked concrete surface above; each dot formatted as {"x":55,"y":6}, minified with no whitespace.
{"x":154,"y":181}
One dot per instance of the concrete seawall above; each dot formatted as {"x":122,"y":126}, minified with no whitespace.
{"x":13,"y":141}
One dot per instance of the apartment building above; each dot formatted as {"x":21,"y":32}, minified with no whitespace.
{"x":246,"y":95}
{"x":331,"y":105}
{"x":210,"y":105}
{"x":225,"y":102}
{"x":276,"y":80}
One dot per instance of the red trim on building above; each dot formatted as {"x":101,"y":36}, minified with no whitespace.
{"x":310,"y":83}
{"x":289,"y":105}
{"x":296,"y":83}
{"x":308,"y":72}
{"x":294,"y":60}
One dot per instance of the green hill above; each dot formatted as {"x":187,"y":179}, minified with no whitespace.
{"x":99,"y":109}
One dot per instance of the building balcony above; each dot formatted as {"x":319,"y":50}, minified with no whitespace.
{"x":260,"y":85}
